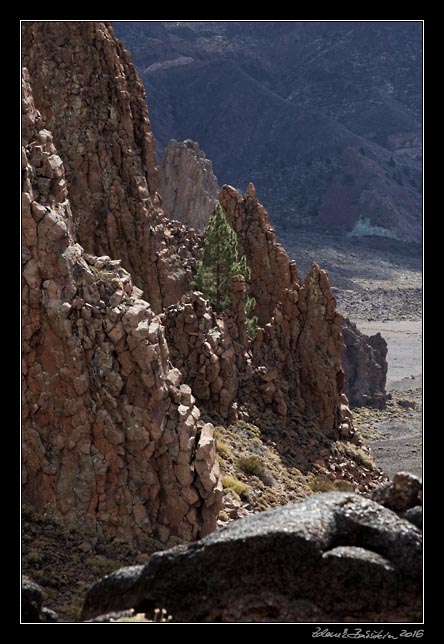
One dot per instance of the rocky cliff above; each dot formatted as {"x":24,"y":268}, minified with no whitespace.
{"x":114,"y":361}
{"x":92,"y":100}
{"x":271,"y":270}
{"x":111,"y":437}
{"x":187,"y":184}
{"x":293,"y":367}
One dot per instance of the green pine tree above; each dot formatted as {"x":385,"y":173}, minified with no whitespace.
{"x":220,"y":262}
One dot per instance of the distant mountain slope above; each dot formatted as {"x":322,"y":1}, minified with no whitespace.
{"x":325,"y":118}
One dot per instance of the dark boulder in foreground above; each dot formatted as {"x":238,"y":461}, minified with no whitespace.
{"x":333,"y":557}
{"x":32,"y":599}
{"x":32,"y":610}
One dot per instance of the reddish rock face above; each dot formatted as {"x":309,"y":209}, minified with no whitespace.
{"x":112,"y":440}
{"x":93,"y":101}
{"x":298,"y":355}
{"x":272,"y":272}
{"x":187,"y":184}
{"x":212,"y":352}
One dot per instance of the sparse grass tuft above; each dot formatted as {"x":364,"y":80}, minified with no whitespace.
{"x":70,"y":610}
{"x":230,"y":483}
{"x":103,"y":566}
{"x":50,"y":593}
{"x":343,"y":486}
{"x":321,"y":483}
{"x":250,"y":465}
{"x":223,"y":450}
{"x":359,"y":455}
{"x":34,"y":557}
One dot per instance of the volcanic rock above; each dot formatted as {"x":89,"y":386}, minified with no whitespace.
{"x":401,"y":494}
{"x":105,"y":443}
{"x":187,"y":184}
{"x":365,"y":366}
{"x":93,"y":102}
{"x":333,"y":557}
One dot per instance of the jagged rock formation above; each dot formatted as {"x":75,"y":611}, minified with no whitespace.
{"x":281,"y":372}
{"x":272,"y":274}
{"x":271,"y":270}
{"x":298,"y":355}
{"x":210,"y":352}
{"x":303,"y":342}
{"x":187,"y":184}
{"x":365,"y":366}
{"x":111,"y":437}
{"x":92,"y":100}
{"x":335,"y":557}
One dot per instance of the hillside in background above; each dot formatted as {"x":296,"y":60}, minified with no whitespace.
{"x":324,"y":118}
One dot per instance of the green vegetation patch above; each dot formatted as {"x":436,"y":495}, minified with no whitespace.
{"x":103,"y":566}
{"x":250,"y":465}
{"x":230,"y":483}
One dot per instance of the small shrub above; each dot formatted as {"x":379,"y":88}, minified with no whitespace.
{"x":71,"y":611}
{"x":223,"y":450}
{"x":359,"y":455}
{"x":34,"y":557}
{"x":103,"y":566}
{"x":250,"y":465}
{"x":50,"y":593}
{"x":230,"y":483}
{"x":321,"y":484}
{"x":344,"y":486}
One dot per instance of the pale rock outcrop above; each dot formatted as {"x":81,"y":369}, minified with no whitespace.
{"x":187,"y":184}
{"x":112,"y":440}
{"x":93,"y":101}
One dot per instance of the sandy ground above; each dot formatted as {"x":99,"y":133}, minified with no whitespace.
{"x":404,"y":357}
{"x":395,"y":435}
